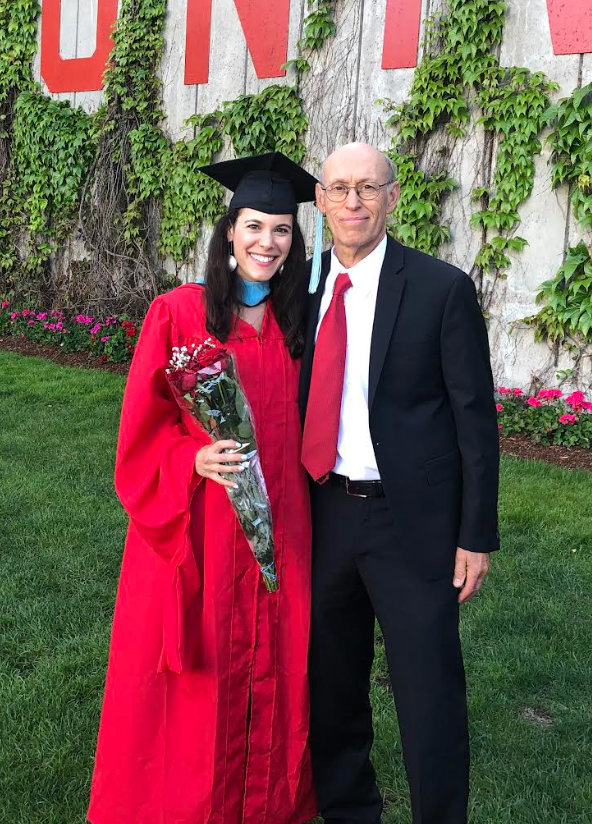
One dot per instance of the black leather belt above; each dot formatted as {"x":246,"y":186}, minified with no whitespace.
{"x":359,"y":489}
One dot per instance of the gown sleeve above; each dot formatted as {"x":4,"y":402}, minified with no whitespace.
{"x":155,"y":476}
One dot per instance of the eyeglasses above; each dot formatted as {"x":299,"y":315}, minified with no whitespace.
{"x":338,"y":192}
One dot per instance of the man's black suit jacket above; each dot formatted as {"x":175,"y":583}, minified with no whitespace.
{"x":432,"y":413}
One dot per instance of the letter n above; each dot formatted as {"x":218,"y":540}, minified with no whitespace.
{"x":265,"y":24}
{"x":79,"y":74}
{"x":401,"y":34}
{"x":571,"y":25}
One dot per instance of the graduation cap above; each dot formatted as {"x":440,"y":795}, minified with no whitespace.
{"x":270,"y":183}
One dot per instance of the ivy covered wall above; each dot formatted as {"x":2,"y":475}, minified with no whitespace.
{"x":101,"y":204}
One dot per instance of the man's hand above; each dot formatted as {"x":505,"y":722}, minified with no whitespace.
{"x":470,"y":569}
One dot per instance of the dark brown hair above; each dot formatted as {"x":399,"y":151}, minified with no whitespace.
{"x":288,"y":289}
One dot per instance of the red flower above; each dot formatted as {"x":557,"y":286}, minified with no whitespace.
{"x":125,"y":324}
{"x":499,"y":407}
{"x":534,"y":402}
{"x":517,"y":392}
{"x":503,"y":390}
{"x":567,"y":419}
{"x":212,"y":356}
{"x":500,"y":426}
{"x":130,"y":331}
{"x":187,"y":381}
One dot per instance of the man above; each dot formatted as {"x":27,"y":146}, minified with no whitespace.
{"x":400,"y":436}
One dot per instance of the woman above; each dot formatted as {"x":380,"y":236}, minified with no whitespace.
{"x":205,"y":716}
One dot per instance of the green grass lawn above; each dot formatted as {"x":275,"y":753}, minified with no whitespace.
{"x":528,"y":639}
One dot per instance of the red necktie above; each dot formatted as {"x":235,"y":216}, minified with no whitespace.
{"x":321,"y":427}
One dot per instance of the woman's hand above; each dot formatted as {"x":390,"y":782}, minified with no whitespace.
{"x":211,"y":461}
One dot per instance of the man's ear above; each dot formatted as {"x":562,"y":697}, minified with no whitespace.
{"x":320,"y":198}
{"x":393,"y":197}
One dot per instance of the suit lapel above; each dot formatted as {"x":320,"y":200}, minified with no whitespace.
{"x":312,"y":318}
{"x":388,"y":300}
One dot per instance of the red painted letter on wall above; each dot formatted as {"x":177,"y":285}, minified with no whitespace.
{"x":265,"y":24}
{"x":401,"y":34}
{"x":80,"y":74}
{"x":571,"y":25}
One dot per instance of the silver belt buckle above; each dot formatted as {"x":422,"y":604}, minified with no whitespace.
{"x":353,"y":494}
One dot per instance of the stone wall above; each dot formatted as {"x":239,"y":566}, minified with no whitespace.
{"x":340,"y":95}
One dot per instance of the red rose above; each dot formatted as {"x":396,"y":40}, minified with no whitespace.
{"x":212,"y":356}
{"x":188,"y":381}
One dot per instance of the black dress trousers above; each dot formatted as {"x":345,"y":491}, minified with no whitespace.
{"x":360,"y":571}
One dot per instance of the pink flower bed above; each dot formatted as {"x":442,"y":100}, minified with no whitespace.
{"x":110,"y":339}
{"x":547,"y":417}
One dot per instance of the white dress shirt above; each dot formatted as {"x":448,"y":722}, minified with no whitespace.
{"x":355,"y":453}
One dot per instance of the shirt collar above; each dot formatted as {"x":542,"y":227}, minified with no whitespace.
{"x":365,"y":274}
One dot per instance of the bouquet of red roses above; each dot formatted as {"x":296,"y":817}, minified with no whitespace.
{"x":205,"y":383}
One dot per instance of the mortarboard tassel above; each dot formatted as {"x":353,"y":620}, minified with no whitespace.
{"x":315,"y":272}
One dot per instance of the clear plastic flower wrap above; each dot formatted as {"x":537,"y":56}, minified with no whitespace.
{"x":205,"y":383}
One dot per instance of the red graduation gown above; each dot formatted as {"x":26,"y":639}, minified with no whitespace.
{"x":205,"y":714}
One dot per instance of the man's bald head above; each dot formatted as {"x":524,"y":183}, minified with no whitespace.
{"x":353,"y":153}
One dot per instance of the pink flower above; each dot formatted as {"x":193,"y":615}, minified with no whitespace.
{"x":14,"y":315}
{"x":550,"y":393}
{"x":80,"y":318}
{"x":41,"y":315}
{"x":575,"y":400}
{"x":54,"y":313}
{"x":567,"y":419}
{"x":46,"y":324}
{"x":31,"y":323}
{"x":105,"y":339}
{"x":5,"y":303}
{"x":59,"y":326}
{"x":517,"y":392}
{"x":51,"y":326}
{"x":500,"y":426}
{"x":96,"y":328}
{"x":534,"y":402}
{"x":503,"y":390}
{"x":587,"y":405}
{"x":26,"y":312}
{"x":499,"y":407}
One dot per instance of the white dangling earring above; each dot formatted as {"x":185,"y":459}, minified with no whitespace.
{"x":281,"y":270}
{"x":232,"y":264}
